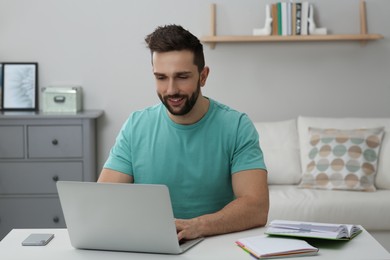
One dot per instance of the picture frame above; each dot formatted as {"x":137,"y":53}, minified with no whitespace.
{"x":19,"y":86}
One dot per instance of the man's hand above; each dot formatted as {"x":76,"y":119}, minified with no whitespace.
{"x":188,"y":228}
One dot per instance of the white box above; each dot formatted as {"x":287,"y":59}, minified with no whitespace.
{"x":62,"y":99}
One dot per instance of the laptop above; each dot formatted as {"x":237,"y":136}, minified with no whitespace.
{"x":120,"y":217}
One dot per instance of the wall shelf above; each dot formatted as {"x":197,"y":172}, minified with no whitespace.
{"x":363,"y":37}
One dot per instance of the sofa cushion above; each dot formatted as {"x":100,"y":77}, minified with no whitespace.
{"x":382,"y":179}
{"x":342,"y":159}
{"x":279,"y":142}
{"x":369,"y":209}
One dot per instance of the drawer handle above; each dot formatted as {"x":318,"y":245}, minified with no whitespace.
{"x":54,"y":141}
{"x":56,"y":219}
{"x":56,"y":178}
{"x":59,"y":99}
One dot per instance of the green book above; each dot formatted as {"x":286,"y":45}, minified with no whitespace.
{"x":313,"y":230}
{"x":279,"y":5}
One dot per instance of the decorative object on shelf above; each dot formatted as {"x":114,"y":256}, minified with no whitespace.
{"x":19,"y":86}
{"x":313,"y":30}
{"x":266,"y":30}
{"x":66,"y":99}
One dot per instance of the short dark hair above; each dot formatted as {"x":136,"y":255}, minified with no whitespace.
{"x":176,"y":38}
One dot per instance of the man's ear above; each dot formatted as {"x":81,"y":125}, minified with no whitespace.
{"x":203,"y":75}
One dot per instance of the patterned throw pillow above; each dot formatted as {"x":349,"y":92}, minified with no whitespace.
{"x":342,"y":159}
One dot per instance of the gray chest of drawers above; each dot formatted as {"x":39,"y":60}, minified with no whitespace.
{"x":37,"y":150}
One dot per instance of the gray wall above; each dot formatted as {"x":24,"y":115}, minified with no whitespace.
{"x":98,"y":44}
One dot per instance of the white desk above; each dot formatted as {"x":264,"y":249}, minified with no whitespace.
{"x":364,"y":246}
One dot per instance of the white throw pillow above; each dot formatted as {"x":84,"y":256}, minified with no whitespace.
{"x":382,"y":180}
{"x":279,"y":142}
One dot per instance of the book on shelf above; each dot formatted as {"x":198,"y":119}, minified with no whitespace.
{"x":304,"y":18}
{"x":289,"y":18}
{"x":284,"y":19}
{"x":279,"y":6}
{"x":293,"y":18}
{"x":274,"y":14}
{"x":266,"y":247}
{"x":298,"y":13}
{"x":313,"y":230}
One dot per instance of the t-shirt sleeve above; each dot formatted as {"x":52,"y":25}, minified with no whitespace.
{"x":247,"y":153}
{"x":120,"y":157}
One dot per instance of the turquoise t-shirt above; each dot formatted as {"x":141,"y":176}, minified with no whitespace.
{"x":195,"y":161}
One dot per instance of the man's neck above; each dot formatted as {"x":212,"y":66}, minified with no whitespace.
{"x":197,"y":112}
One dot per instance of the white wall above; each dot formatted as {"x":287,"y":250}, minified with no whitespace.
{"x":99,"y":45}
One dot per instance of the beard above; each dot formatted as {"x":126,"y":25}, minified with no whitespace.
{"x":188,"y":104}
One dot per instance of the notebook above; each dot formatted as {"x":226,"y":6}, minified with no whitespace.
{"x":120,"y":217}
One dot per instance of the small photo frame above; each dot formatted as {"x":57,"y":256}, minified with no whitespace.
{"x":19,"y":86}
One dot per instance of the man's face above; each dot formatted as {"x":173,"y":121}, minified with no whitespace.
{"x":177,"y":80}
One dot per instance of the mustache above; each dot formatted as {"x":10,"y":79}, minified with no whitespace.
{"x":174,"y":96}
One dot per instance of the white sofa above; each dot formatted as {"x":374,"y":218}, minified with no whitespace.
{"x":286,"y":147}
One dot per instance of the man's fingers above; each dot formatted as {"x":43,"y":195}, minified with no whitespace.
{"x":180,"y":235}
{"x":179,"y":229}
{"x":186,"y":229}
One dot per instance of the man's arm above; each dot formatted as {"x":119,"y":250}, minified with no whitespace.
{"x":248,"y":210}
{"x":108,"y":175}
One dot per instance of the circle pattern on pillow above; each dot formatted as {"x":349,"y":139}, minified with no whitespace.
{"x":342,"y":159}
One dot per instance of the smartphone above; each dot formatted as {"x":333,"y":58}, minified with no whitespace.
{"x":37,"y":239}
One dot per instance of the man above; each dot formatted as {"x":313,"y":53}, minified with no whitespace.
{"x":206,"y":153}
